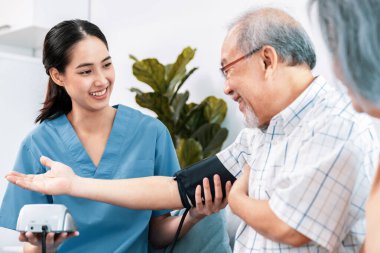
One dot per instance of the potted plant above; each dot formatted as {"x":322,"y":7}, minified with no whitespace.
{"x":195,"y":128}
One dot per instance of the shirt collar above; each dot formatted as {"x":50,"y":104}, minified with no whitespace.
{"x":290,"y":117}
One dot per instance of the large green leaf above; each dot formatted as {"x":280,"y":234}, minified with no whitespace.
{"x":178,"y":105}
{"x":181,"y":130}
{"x":177,"y":71}
{"x":211,"y":137}
{"x":151,"y":72}
{"x":190,"y":106}
{"x":195,"y":117}
{"x":215,"y":110}
{"x":180,"y":84}
{"x":189,"y":151}
{"x":173,"y":82}
{"x":157,"y":103}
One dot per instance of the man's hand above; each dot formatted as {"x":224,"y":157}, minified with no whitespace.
{"x":52,"y":240}
{"x":209,"y":207}
{"x":241,"y":184}
{"x":57,"y":181}
{"x":240,"y":188}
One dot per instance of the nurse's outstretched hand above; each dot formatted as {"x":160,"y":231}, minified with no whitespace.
{"x":57,"y":181}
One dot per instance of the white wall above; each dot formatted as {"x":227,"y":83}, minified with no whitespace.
{"x":22,"y":85}
{"x":143,"y":28}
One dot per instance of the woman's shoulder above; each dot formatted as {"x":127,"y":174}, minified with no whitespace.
{"x":42,"y":131}
{"x":140,"y":118}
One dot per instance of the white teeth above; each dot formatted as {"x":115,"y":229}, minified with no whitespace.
{"x":98,"y":93}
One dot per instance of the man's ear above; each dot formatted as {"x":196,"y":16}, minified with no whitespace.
{"x":56,"y":76}
{"x":270,"y":60}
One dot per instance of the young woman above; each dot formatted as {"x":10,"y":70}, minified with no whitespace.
{"x":78,"y":127}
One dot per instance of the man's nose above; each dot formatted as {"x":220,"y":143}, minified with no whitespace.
{"x":227,"y":89}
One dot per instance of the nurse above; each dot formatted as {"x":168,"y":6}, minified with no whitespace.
{"x":78,"y":127}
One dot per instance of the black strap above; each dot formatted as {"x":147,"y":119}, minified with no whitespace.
{"x":43,"y":238}
{"x":179,"y":229}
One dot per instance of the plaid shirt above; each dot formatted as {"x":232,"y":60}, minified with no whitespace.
{"x":314,"y":163}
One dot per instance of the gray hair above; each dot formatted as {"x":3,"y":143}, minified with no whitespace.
{"x":352,"y":31}
{"x":273,"y":27}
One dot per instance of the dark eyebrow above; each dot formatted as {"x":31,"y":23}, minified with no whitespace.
{"x":107,"y":58}
{"x":90,"y":64}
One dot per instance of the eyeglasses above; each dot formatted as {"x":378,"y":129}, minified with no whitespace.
{"x":226,"y":67}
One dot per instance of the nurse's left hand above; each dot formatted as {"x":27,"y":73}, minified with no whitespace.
{"x":57,"y":181}
{"x":53,"y":240}
{"x":209,"y":206}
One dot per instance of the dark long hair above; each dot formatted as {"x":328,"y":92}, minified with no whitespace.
{"x":58,"y":44}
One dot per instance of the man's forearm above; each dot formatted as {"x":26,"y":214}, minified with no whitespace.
{"x":258,"y":215}
{"x":154,"y":193}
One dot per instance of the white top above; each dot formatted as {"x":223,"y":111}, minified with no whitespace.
{"x":314,"y":163}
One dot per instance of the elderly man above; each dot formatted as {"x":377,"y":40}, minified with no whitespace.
{"x":303,"y":162}
{"x":306,"y":154}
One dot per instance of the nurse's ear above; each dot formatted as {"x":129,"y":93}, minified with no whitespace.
{"x":56,"y":76}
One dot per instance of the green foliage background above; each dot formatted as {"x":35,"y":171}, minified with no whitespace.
{"x":195,"y":128}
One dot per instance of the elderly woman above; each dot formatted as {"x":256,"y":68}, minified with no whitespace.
{"x":352,"y":32}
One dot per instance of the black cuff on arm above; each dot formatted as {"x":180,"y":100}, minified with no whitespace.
{"x":190,"y":177}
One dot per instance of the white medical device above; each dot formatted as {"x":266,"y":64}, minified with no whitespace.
{"x":40,"y":218}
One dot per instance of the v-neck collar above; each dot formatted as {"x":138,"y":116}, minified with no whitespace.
{"x":83,"y":163}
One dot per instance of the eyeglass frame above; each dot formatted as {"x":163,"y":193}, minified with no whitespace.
{"x":229,"y":65}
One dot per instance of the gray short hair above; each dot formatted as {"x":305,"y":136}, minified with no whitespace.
{"x":270,"y":26}
{"x":352,"y":31}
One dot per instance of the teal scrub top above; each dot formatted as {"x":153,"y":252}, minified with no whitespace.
{"x":138,"y":146}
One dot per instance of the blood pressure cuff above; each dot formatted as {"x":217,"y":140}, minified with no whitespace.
{"x":189,"y":178}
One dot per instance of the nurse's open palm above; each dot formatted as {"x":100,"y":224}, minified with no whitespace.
{"x":57,"y":181}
